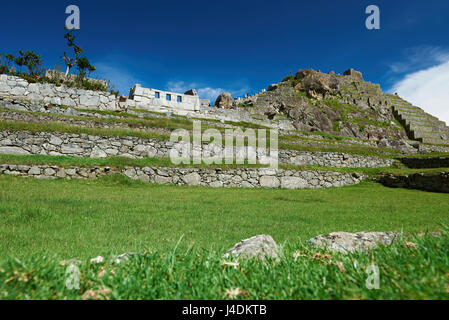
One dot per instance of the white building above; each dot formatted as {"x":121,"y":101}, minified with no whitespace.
{"x":158,"y":100}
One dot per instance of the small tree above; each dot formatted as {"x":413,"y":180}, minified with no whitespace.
{"x":71,"y":62}
{"x":3,"y":68}
{"x":84,"y":66}
{"x":29,"y":59}
{"x":9,"y":59}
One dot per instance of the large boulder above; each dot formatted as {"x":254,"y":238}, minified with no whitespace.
{"x":399,"y":144}
{"x":273,"y":86}
{"x":301,"y":74}
{"x":307,"y":117}
{"x":316,"y":84}
{"x":351,"y":242}
{"x":224,"y":101}
{"x":255,"y":247}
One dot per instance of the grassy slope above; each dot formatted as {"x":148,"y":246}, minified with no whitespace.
{"x":152,"y":124}
{"x":82,"y":219}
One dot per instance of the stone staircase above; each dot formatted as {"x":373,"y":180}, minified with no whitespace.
{"x":418,"y":124}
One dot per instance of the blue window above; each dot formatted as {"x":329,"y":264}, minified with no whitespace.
{"x":157,"y":95}
{"x":179,"y":99}
{"x":168,"y":97}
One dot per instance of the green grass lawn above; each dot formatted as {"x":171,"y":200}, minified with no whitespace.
{"x":112,"y":215}
{"x":413,"y":269}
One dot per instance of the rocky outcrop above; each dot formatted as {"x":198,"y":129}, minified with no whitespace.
{"x":224,"y":101}
{"x":398,"y":144}
{"x":345,"y":242}
{"x":316,"y":84}
{"x":261,"y":246}
{"x":344,"y":105}
{"x":212,"y":177}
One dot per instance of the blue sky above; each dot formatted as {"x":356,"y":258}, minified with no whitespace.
{"x":240,"y":46}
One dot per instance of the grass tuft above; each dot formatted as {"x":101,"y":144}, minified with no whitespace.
{"x":302,"y":273}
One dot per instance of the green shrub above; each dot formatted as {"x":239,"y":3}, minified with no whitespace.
{"x":288,"y":78}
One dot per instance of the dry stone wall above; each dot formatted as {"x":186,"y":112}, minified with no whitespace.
{"x":425,"y":148}
{"x":243,"y":178}
{"x":422,"y":163}
{"x":79,"y":145}
{"x":84,"y":145}
{"x":47,"y":93}
{"x":332,"y":159}
{"x":428,"y":182}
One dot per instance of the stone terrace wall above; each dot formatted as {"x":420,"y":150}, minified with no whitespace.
{"x":424,"y":148}
{"x":18,"y":88}
{"x":84,"y":145}
{"x":11,"y":86}
{"x":422,"y":163}
{"x":435,"y":182}
{"x":217,"y":178}
{"x":332,"y":159}
{"x":80,"y":122}
{"x":13,"y":105}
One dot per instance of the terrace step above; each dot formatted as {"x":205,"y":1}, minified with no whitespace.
{"x":418,"y":124}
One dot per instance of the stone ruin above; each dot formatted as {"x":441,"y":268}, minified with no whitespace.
{"x":164,"y":101}
{"x":139,"y":97}
{"x":280,"y":106}
{"x":158,"y":100}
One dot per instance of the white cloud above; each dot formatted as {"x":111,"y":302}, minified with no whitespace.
{"x":428,"y":89}
{"x":419,"y":58}
{"x":205,"y":92}
{"x":120,"y":78}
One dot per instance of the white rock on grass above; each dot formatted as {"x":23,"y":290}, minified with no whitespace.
{"x":98,"y":259}
{"x":351,"y":242}
{"x":70,"y":262}
{"x":123,"y":257}
{"x":255,"y":247}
